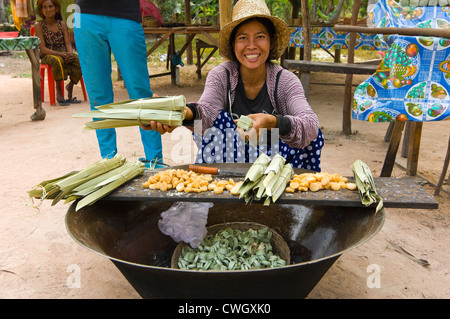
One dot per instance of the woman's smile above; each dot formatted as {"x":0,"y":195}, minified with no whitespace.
{"x":252,"y":57}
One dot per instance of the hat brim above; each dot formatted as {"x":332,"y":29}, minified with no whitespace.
{"x":281,"y":29}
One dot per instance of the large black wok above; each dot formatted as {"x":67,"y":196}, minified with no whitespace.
{"x":127,"y":233}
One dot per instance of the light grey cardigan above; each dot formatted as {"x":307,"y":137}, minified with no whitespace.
{"x":290,"y":101}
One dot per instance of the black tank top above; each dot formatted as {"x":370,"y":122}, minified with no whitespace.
{"x":242,"y":105}
{"x":126,"y":9}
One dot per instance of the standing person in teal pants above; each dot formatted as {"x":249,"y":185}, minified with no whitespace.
{"x":102,"y":27}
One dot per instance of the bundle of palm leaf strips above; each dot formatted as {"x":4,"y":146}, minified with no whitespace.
{"x":89,"y":184}
{"x":266,"y":179}
{"x":167,"y":110}
{"x":366,"y":185}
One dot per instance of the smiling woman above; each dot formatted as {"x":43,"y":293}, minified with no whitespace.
{"x":250,"y":84}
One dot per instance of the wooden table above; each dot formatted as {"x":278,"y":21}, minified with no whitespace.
{"x":169,"y":33}
{"x":31,"y":46}
{"x":403,"y":192}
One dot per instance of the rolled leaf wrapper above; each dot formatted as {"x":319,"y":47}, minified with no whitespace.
{"x":166,"y":110}
{"x":366,"y":185}
{"x":266,"y":179}
{"x":244,"y":122}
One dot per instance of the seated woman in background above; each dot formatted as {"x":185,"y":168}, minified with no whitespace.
{"x":250,"y":84}
{"x":56,"y":49}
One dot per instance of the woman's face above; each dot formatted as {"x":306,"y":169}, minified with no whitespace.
{"x":49,"y":9}
{"x":252,"y":45}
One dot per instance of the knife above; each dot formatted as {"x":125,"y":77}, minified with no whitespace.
{"x":215,"y":171}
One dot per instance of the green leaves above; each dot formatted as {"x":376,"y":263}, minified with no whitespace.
{"x":90,"y":184}
{"x":166,"y":110}
{"x":232,"y":249}
{"x":366,"y":185}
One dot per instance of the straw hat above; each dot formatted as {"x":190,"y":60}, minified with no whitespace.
{"x":246,"y":9}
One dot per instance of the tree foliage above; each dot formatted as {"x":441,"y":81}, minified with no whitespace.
{"x":207,"y":11}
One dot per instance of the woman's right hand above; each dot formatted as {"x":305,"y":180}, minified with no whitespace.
{"x":163,"y":128}
{"x":158,"y":127}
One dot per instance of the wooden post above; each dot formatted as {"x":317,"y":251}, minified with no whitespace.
{"x":306,"y":30}
{"x":295,"y":14}
{"x":305,"y":76}
{"x":415,"y":135}
{"x":405,"y":143}
{"x":337,"y":55}
{"x":173,"y":67}
{"x":348,"y":95}
{"x":444,"y":170}
{"x":225,"y":11}
{"x":187,"y":21}
{"x":391,"y":153}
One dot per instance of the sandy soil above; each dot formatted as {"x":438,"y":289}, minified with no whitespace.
{"x":37,"y":255}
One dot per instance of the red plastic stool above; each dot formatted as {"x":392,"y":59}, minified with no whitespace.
{"x":51,"y":84}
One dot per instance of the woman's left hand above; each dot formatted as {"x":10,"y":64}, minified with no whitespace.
{"x":263,"y":120}
{"x":259,"y":121}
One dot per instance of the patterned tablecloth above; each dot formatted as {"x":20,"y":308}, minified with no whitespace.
{"x":19,"y":43}
{"x":413,"y":80}
{"x":325,"y":37}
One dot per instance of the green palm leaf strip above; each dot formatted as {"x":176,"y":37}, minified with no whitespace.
{"x":89,"y":184}
{"x":105,"y":187}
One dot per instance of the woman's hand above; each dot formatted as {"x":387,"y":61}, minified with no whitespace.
{"x":158,"y":127}
{"x":163,"y":128}
{"x":259,"y":121}
{"x":67,"y":56}
{"x":263,"y":120}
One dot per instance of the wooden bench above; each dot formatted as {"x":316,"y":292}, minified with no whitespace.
{"x":307,"y":66}
{"x":330,"y":67}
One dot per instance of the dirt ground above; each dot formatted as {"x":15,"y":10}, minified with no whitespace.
{"x":37,"y":254}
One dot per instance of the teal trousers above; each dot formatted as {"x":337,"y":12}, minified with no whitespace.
{"x":96,"y":37}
